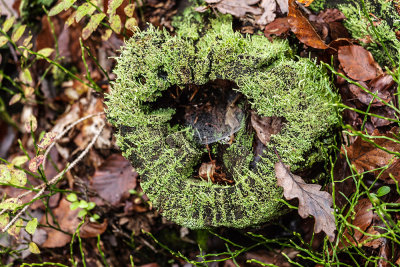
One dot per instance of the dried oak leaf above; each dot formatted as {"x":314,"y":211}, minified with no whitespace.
{"x":312,"y":201}
{"x":113,"y":180}
{"x":266,"y":126}
{"x":366,"y":156}
{"x":358,"y":63}
{"x":237,"y":8}
{"x":302,"y":27}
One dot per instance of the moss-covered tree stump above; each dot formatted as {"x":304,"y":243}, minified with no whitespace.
{"x":167,"y":155}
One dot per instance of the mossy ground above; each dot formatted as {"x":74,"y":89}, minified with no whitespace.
{"x":165,"y":155}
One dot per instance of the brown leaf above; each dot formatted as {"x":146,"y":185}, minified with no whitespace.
{"x":113,"y":180}
{"x":362,"y":219}
{"x":237,"y":8}
{"x":266,"y":126}
{"x":365,"y":156}
{"x":312,"y":201}
{"x":91,"y":229}
{"x":302,"y":28}
{"x":331,"y":15}
{"x":358,"y":63}
{"x":68,"y":222}
{"x":278,"y":27}
{"x":209,"y":170}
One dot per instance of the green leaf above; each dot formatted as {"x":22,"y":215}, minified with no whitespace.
{"x":113,"y":5}
{"x":82,"y":213}
{"x":8,"y":24}
{"x":92,"y":25}
{"x":10,"y":204}
{"x":83,"y":10}
{"x":129,"y":10}
{"x":15,"y":229}
{"x":74,"y":205}
{"x":27,"y":42}
{"x":31,"y":124}
{"x":46,"y":52}
{"x":91,"y":205}
{"x":5,"y":174}
{"x":384,"y":190}
{"x":106,"y":35}
{"x":3,"y":40}
{"x":115,"y":23}
{"x":18,"y":177}
{"x":19,"y":160}
{"x":15,"y":99}
{"x":131,"y":24}
{"x":33,"y":248}
{"x":4,"y":220}
{"x":31,"y":226}
{"x":72,"y":197}
{"x":26,"y":76}
{"x":18,"y":33}
{"x":63,"y":5}
{"x":83,"y":204}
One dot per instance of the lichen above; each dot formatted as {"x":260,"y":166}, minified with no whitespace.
{"x":165,"y":155}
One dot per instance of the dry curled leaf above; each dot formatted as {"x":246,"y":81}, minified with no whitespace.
{"x":312,"y":201}
{"x":302,"y":28}
{"x":237,"y":8}
{"x":266,"y":126}
{"x":358,"y":63}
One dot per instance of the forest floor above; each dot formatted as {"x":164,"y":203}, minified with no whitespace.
{"x":69,"y":198}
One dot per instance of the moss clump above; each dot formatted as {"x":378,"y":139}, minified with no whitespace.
{"x":166,"y":155}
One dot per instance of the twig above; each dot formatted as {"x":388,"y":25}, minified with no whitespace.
{"x":55,"y":178}
{"x":64,"y":132}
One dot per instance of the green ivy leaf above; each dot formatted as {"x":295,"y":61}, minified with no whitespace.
{"x":18,"y":33}
{"x":46,"y":52}
{"x":33,"y":248}
{"x":115,"y":23}
{"x":92,"y":25}
{"x":72,"y":197}
{"x":19,"y":160}
{"x":31,"y":226}
{"x":8,"y":24}
{"x":83,"y":10}
{"x":63,"y":5}
{"x":3,"y":40}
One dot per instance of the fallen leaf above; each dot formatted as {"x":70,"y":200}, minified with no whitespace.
{"x":306,"y":2}
{"x":279,"y":27}
{"x":312,"y":201}
{"x":92,"y":229}
{"x":237,"y":8}
{"x":302,"y":28}
{"x":268,"y":15}
{"x":331,"y":15}
{"x":113,"y":180}
{"x":366,"y":157}
{"x":358,"y":63}
{"x":208,"y":171}
{"x":266,"y":126}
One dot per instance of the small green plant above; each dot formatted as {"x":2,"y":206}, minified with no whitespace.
{"x":85,"y":207}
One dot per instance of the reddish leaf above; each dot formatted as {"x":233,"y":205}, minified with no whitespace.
{"x":312,"y":201}
{"x":278,"y":27}
{"x":331,"y":15}
{"x":302,"y":28}
{"x":47,"y":140}
{"x":365,"y":156}
{"x":113,"y":180}
{"x":91,"y":229}
{"x":358,"y":63}
{"x":35,"y":163}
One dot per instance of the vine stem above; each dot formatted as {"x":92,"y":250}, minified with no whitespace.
{"x":43,"y":186}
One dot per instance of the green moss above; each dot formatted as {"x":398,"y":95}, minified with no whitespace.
{"x":166,"y":155}
{"x":387,"y":22}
